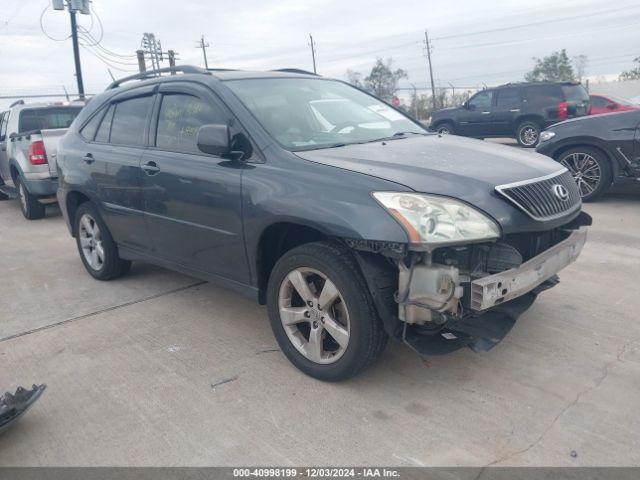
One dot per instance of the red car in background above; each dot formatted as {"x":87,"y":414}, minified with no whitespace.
{"x":609,"y":104}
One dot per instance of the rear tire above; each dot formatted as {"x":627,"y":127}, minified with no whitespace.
{"x":97,"y":249}
{"x":31,"y":208}
{"x":445,"y":128}
{"x":528,"y":134}
{"x":591,"y":170}
{"x":360,"y":337}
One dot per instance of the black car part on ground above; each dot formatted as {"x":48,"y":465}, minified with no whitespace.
{"x":14,"y":405}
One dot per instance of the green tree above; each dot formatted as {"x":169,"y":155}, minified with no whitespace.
{"x":553,"y":68}
{"x":382,"y":81}
{"x":633,"y":74}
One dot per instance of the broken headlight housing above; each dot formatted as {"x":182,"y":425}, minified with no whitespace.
{"x":432,"y":220}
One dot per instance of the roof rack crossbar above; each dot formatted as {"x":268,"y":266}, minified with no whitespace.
{"x":156,"y":73}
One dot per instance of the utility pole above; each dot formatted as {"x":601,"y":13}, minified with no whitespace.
{"x":313,"y":52}
{"x":82,"y":6}
{"x":142,"y":66}
{"x":204,"y":45}
{"x":433,"y":87}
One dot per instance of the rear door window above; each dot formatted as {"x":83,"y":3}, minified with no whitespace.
{"x":599,"y":102}
{"x":180,"y":118}
{"x":129,"y":121}
{"x":105,"y":127}
{"x":508,"y":98}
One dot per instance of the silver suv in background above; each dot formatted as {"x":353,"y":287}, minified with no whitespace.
{"x":29,"y":135}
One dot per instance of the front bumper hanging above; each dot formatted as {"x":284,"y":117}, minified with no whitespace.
{"x":502,"y":287}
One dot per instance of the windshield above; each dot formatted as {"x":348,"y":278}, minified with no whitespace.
{"x":47,"y":118}
{"x":306,"y":114}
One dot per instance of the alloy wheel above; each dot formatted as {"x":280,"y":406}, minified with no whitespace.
{"x":314,"y":315}
{"x":528,"y":136}
{"x":91,"y":241}
{"x":585,"y":170}
{"x":443,"y":130}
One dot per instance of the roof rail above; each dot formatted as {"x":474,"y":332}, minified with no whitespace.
{"x":157,"y":73}
{"x":295,"y":70}
{"x":17,"y":102}
{"x":222,"y":69}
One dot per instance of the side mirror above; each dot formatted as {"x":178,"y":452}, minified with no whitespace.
{"x":611,"y":106}
{"x":214,"y":139}
{"x":466,"y":105}
{"x":3,"y":138}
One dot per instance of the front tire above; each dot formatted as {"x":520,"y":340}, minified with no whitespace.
{"x":322,"y":314}
{"x":528,"y":134}
{"x":445,"y":128}
{"x":591,"y":171}
{"x":97,"y":249}
{"x":31,"y":208}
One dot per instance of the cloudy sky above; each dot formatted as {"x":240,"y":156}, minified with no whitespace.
{"x":474,"y":42}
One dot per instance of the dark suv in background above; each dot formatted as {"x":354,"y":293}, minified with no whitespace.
{"x":516,"y":110}
{"x":348,"y":219}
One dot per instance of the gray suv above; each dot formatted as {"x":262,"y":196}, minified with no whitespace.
{"x":345,"y":217}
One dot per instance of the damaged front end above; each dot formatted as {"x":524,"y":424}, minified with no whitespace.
{"x":442,"y":299}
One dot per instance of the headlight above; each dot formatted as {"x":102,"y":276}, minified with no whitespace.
{"x":435,"y":220}
{"x":546,"y":135}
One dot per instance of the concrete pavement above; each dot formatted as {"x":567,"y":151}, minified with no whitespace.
{"x":160,"y":369}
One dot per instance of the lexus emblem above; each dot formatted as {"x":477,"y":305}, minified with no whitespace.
{"x":560,"y":191}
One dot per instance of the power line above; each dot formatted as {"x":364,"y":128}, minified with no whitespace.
{"x":546,"y":21}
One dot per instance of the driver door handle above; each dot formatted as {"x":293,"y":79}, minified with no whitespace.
{"x":150,"y":168}
{"x":88,"y":158}
{"x":514,"y":110}
{"x":486,"y":113}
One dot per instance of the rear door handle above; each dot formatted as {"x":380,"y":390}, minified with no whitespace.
{"x":486,"y":113}
{"x":88,"y":158}
{"x":150,"y":168}
{"x":514,"y":110}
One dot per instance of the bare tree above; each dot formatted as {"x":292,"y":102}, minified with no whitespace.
{"x":580,"y":66}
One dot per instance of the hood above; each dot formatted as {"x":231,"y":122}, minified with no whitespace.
{"x":447,"y":165}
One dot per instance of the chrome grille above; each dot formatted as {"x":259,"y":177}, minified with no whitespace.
{"x":539,"y":199}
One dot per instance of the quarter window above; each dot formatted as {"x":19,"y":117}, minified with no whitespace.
{"x":105,"y":126}
{"x":180,"y":118}
{"x":90,"y":129}
{"x":129,"y":121}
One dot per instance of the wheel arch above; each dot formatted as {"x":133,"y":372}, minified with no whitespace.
{"x":615,"y":167}
{"x":529,"y":117}
{"x":277,"y":239}
{"x":73,"y":200}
